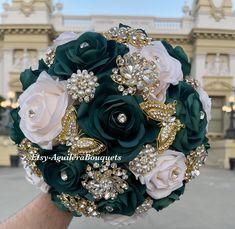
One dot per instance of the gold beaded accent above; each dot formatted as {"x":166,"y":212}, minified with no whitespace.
{"x":194,"y":161}
{"x":127,"y":35}
{"x":28,"y":153}
{"x":194,"y":83}
{"x":50,"y":55}
{"x":79,"y":205}
{"x":163,"y":113}
{"x":146,"y":206}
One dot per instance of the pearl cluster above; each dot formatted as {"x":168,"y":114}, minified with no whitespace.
{"x":194,"y":161}
{"x":82,"y":85}
{"x":105,"y":180}
{"x":135,"y":74}
{"x":145,"y":161}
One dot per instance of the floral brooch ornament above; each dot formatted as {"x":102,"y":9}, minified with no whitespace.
{"x":111,"y":125}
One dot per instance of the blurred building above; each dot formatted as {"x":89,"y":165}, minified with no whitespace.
{"x":206,"y":31}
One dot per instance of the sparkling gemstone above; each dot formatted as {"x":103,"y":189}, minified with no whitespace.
{"x":31,"y":113}
{"x":122,"y":118}
{"x":96,"y":165}
{"x":202,"y":115}
{"x":64,"y":176}
{"x":109,"y":208}
{"x":84,"y":45}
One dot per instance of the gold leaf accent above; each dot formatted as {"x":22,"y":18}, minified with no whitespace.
{"x":158,"y":111}
{"x":28,"y":153}
{"x":167,"y":134}
{"x":79,"y":205}
{"x":50,"y":55}
{"x":194,"y":161}
{"x":82,"y":146}
{"x":163,"y":113}
{"x":69,"y":126}
{"x":71,"y":137}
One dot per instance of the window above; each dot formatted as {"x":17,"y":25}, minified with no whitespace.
{"x":217,"y":119}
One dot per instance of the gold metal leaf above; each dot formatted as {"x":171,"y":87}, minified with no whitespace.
{"x":79,"y":205}
{"x":163,"y":113}
{"x":167,"y":134}
{"x":69,"y":127}
{"x":194,"y":161}
{"x":82,"y":146}
{"x":159,"y":111}
{"x":28,"y":154}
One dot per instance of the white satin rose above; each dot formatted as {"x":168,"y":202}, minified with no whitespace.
{"x":42,"y":107}
{"x":122,"y":220}
{"x":169,"y":68}
{"x":206,"y":103}
{"x":167,"y":176}
{"x":64,"y":38}
{"x":35,"y":180}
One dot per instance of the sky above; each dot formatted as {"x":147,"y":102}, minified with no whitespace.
{"x":159,"y":8}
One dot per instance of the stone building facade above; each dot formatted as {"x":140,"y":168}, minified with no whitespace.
{"x":206,"y":31}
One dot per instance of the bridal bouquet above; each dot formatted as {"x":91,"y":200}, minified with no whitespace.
{"x":112,"y":124}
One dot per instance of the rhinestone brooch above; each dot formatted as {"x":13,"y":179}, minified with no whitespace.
{"x":145,"y":161}
{"x":105,"y":180}
{"x":136,"y":37}
{"x":135,"y":74}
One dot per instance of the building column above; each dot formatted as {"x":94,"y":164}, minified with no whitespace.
{"x":232,"y":67}
{"x":7,"y":67}
{"x":198,"y":67}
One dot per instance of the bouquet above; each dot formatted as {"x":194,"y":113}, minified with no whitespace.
{"x":111,"y":124}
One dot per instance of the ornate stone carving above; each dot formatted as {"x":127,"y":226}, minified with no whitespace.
{"x":23,"y":59}
{"x":217,"y":9}
{"x":27,"y":7}
{"x":217,"y":64}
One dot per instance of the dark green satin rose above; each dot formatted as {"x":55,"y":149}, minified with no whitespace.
{"x":15,"y":132}
{"x":179,"y":54}
{"x":91,"y":51}
{"x":64,"y":175}
{"x":100,"y":119}
{"x":166,"y":201}
{"x":188,"y":111}
{"x":126,"y":203}
{"x":28,"y":77}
